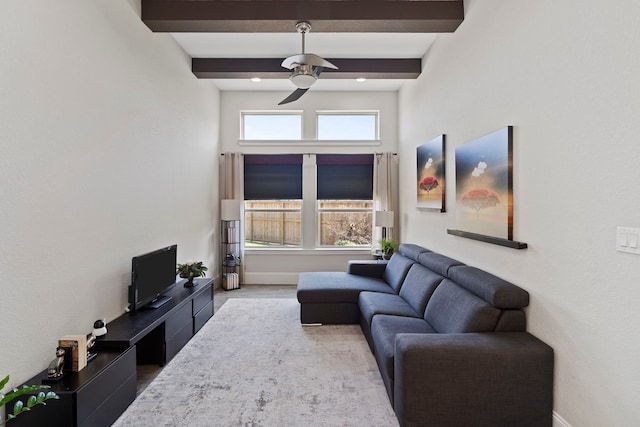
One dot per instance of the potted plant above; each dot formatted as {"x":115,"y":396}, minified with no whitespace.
{"x":190,"y":270}
{"x":388,"y":247}
{"x":20,"y":406}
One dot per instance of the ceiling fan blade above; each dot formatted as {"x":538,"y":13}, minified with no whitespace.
{"x":292,"y":61}
{"x":295,"y":95}
{"x":317,"y":61}
{"x":307,"y":59}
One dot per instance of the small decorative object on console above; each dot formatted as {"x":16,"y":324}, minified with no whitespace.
{"x":56,"y":367}
{"x":99,"y":328}
{"x":190,"y":270}
{"x":77,"y":346}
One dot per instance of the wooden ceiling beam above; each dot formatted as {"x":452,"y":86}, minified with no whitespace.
{"x":280,"y":16}
{"x":270,"y":68}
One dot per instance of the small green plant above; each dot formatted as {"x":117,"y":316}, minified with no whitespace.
{"x":191,"y":269}
{"x":388,"y":246}
{"x":20,"y":406}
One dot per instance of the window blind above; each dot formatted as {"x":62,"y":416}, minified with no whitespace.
{"x":344,"y":176}
{"x":272,"y":177}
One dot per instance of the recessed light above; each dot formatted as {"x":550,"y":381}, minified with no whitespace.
{"x":256,"y":79}
{"x":361,"y":79}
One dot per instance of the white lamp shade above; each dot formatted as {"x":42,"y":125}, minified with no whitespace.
{"x":384,"y":218}
{"x":230,"y":209}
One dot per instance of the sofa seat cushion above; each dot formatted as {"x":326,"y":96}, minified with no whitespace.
{"x":372,"y":303}
{"x":384,"y":329}
{"x":336,"y":287}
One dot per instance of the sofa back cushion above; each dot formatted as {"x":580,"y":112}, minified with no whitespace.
{"x":411,"y":251}
{"x":437,"y":262}
{"x":453,"y":309}
{"x":418,"y":287}
{"x":396,"y":271}
{"x":492,"y":289}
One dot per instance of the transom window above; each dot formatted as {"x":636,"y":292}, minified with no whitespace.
{"x":271,"y":125}
{"x":347,"y":126}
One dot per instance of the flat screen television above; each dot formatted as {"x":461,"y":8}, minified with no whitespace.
{"x":152,"y":274}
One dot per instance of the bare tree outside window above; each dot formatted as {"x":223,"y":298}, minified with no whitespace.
{"x":345,"y":222}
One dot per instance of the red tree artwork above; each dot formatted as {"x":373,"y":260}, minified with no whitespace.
{"x":480,"y":199}
{"x":428,"y":183}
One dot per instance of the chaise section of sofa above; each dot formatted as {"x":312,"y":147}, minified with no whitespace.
{"x":332,"y":297}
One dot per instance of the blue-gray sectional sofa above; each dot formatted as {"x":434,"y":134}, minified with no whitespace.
{"x":450,"y":340}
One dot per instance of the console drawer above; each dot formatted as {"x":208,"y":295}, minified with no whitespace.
{"x":177,"y":320}
{"x":102,"y":386}
{"x":109,"y":411}
{"x":175,"y":344}
{"x":202,"y":299}
{"x":201,"y":317}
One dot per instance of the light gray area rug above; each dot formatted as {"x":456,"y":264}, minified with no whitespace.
{"x":254,"y":364}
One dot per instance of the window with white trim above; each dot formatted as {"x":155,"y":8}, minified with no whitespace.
{"x":274,"y":213}
{"x":344,"y":199}
{"x":273,"y":200}
{"x":272,"y":125}
{"x":347,"y":125}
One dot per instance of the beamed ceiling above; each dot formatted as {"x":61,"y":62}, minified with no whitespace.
{"x":235,"y":40}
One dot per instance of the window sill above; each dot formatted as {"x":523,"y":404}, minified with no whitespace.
{"x":306,"y":142}
{"x":303,"y":252}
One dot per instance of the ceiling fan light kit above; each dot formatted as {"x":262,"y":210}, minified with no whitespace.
{"x":305,"y":67}
{"x":303,"y":76}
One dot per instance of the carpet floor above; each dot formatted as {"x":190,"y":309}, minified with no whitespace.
{"x":253,"y":364}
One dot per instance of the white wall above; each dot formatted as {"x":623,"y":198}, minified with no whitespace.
{"x":565,"y":75}
{"x":108,"y":148}
{"x":282,"y":266}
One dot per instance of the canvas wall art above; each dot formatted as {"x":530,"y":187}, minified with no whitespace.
{"x":484,"y":190}
{"x":431,"y":175}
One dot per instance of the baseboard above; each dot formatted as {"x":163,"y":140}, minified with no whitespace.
{"x":558,"y":421}
{"x":270,"y":278}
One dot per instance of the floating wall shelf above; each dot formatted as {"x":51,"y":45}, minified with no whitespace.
{"x":489,"y":239}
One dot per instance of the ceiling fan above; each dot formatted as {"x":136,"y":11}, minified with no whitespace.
{"x":305,"y":67}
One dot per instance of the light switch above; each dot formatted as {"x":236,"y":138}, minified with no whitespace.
{"x":622,"y":239}
{"x":628,"y":240}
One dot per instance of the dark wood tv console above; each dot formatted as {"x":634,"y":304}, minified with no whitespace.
{"x":99,"y":393}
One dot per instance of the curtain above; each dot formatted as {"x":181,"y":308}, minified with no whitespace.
{"x":231,"y":187}
{"x":385,"y":190}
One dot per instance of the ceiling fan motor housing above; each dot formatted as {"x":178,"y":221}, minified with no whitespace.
{"x":303,"y":76}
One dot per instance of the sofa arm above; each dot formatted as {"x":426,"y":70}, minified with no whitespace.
{"x":368,"y":268}
{"x":473,"y":379}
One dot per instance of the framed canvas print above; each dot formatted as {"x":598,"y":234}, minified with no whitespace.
{"x":484,"y":185}
{"x":431,"y":177}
